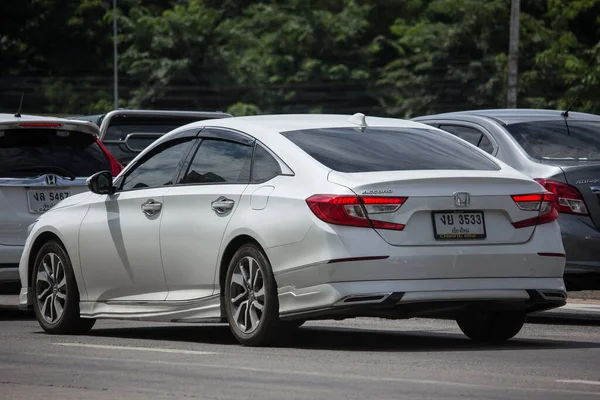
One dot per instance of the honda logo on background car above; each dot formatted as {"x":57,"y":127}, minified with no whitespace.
{"x":51,"y":180}
{"x":462,"y":199}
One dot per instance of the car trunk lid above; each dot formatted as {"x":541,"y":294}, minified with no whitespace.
{"x":446,"y":207}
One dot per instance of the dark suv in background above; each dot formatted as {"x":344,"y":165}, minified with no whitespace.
{"x":127,"y":132}
{"x":560,"y":150}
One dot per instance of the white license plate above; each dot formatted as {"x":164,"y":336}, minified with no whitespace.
{"x":459,"y":225}
{"x":41,"y":201}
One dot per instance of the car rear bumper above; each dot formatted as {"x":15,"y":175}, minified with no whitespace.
{"x":444,"y":298}
{"x":581,"y":241}
{"x":9,"y":263}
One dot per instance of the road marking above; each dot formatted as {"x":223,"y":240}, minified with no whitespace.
{"x":154,"y":349}
{"x":579,"y":381}
{"x":316,"y":374}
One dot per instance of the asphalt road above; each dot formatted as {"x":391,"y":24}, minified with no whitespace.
{"x":356,"y":359}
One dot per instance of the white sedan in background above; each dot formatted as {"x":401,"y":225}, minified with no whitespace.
{"x":265,"y":222}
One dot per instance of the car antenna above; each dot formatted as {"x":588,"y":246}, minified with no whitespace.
{"x":565,"y":114}
{"x":18,"y":113}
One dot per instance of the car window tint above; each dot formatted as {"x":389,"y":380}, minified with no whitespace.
{"x":265,"y":166}
{"x":218,"y":161}
{"x":388,"y":149}
{"x":34,"y":152}
{"x":551,"y":140}
{"x":159,"y":169}
{"x":471,"y":135}
{"x":486,"y":145}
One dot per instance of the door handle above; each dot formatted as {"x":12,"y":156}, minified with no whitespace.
{"x":222,"y":205}
{"x":151,"y":207}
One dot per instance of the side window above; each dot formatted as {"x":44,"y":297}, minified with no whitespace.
{"x":158,"y":170}
{"x":218,"y":161}
{"x":471,"y":135}
{"x":265,"y":166}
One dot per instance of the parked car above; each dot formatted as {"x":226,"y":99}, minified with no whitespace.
{"x":268,"y":221}
{"x":42,"y":161}
{"x":562,"y":152}
{"x":127,"y":132}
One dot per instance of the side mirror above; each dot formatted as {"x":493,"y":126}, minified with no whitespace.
{"x":101,"y":183}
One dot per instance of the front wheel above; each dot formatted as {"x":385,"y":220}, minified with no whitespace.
{"x":251,"y":302}
{"x":493,"y":327}
{"x":55,"y":293}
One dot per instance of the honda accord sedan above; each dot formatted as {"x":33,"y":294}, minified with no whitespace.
{"x":265,"y":222}
{"x":561,"y":150}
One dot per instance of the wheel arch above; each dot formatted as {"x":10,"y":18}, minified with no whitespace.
{"x":233,"y":245}
{"x":37,"y":244}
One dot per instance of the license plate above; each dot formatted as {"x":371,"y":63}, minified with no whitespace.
{"x":459,"y":225}
{"x":41,"y":201}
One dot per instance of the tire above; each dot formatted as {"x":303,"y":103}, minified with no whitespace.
{"x":251,"y":302}
{"x":55,"y":292}
{"x":492,"y":327}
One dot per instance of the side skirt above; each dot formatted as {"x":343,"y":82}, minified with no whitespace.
{"x":207,"y":309}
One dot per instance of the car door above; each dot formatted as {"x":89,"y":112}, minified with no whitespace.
{"x":198,"y":209}
{"x":119,"y":237}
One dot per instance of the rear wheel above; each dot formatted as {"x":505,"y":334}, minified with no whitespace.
{"x":55,"y":293}
{"x":251,"y":302}
{"x":492,"y":327}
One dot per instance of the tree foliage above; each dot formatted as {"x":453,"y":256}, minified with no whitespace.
{"x":385,"y":57}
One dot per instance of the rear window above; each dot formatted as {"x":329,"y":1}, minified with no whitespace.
{"x":559,"y":140}
{"x":34,"y":152}
{"x":388,"y":149}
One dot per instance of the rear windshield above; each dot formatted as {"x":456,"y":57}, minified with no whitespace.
{"x":388,"y":149}
{"x":559,"y":140}
{"x":121,"y":126}
{"x":34,"y":152}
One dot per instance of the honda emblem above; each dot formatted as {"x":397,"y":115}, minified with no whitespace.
{"x":462,"y":199}
{"x":51,"y":180}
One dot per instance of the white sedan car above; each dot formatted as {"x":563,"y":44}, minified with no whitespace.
{"x":265,"y":222}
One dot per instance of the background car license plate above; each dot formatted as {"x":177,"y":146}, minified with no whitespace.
{"x":459,"y":225}
{"x":41,"y":201}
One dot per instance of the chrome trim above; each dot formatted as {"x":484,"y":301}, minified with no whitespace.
{"x":355,"y":299}
{"x":595,"y":189}
{"x":41,"y":181}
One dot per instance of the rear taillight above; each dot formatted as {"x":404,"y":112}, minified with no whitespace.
{"x":40,"y":125}
{"x":570,"y":200}
{"x":115,"y":166}
{"x":545,"y":203}
{"x":355,"y":210}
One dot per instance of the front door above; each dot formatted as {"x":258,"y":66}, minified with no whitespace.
{"x":119,"y":236}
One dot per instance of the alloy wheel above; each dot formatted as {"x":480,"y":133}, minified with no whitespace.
{"x":51,"y":287}
{"x":247,"y":294}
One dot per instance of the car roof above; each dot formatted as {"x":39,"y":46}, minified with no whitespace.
{"x":12,"y":122}
{"x":516,"y":115}
{"x":261,"y":125}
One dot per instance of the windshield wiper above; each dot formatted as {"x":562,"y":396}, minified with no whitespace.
{"x":65,"y":173}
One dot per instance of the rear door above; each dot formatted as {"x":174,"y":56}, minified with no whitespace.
{"x":198,"y":209}
{"x":38,"y":168}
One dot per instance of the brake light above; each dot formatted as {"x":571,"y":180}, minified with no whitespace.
{"x":40,"y":125}
{"x":570,"y":200}
{"x":355,"y":210}
{"x":545,"y":203}
{"x":115,"y":166}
